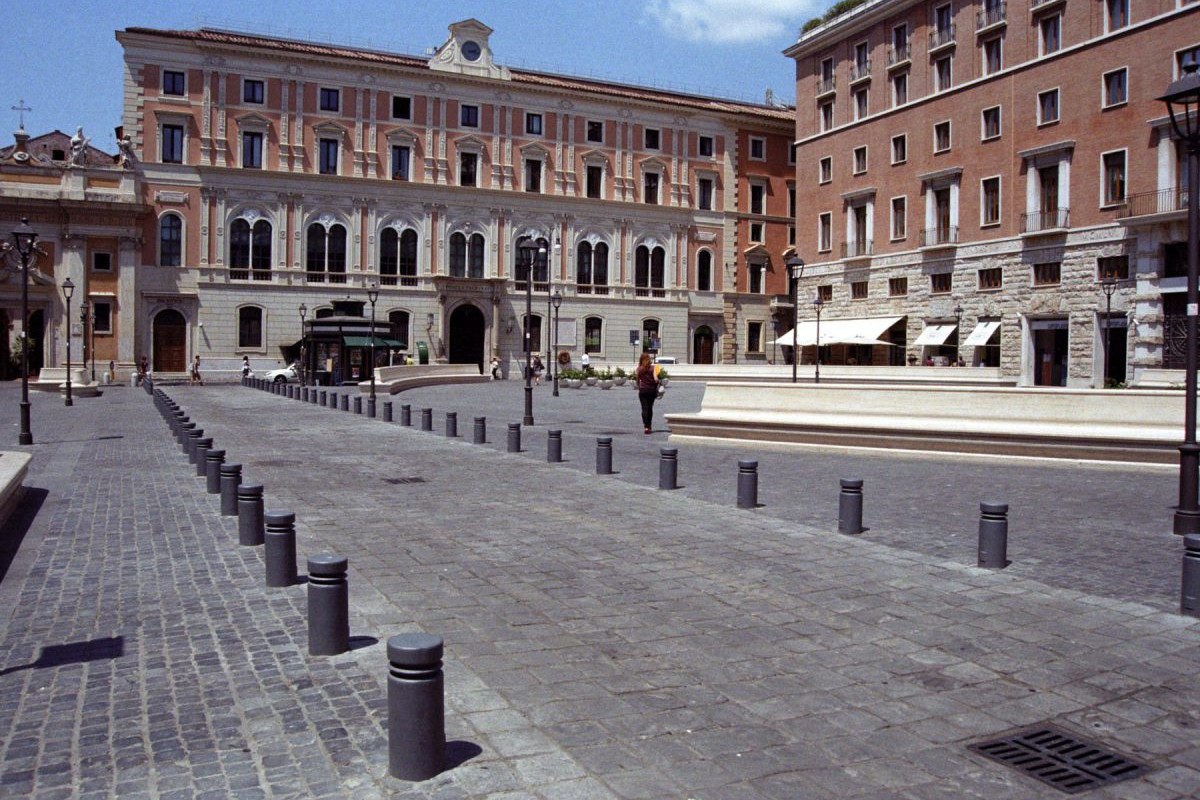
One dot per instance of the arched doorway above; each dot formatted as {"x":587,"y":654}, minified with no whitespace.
{"x":702,"y":345}
{"x":467,"y":336}
{"x":170,"y":342}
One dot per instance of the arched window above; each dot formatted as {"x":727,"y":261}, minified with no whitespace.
{"x":250,"y":249}
{"x":170,"y":241}
{"x":650,"y":271}
{"x":591,"y":272}
{"x":704,"y":271}
{"x":325,"y":253}
{"x":651,"y":341}
{"x":408,"y":258}
{"x":466,"y":255}
{"x":593,"y":335}
{"x":389,"y":256}
{"x":250,"y":328}
{"x":399,"y":320}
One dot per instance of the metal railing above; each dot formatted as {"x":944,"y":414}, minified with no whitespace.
{"x":931,"y":237}
{"x":1145,"y":203}
{"x":859,"y":249}
{"x":825,"y":86}
{"x":993,"y":15}
{"x":860,"y":70}
{"x":941,"y":36}
{"x":1051,"y":220}
{"x":898,"y":54}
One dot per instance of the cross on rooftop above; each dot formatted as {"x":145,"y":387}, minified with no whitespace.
{"x":21,"y":108}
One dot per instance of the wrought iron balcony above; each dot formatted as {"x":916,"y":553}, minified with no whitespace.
{"x":898,"y":54}
{"x":940,"y":37}
{"x":1144,"y":204}
{"x":993,"y":14}
{"x":1055,"y":219}
{"x":860,"y":70}
{"x":940,"y":236}
{"x":825,"y":86}
{"x":859,"y":249}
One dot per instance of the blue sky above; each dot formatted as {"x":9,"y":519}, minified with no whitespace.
{"x":64,"y":61}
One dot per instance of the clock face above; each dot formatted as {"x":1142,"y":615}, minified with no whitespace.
{"x":471,"y":51}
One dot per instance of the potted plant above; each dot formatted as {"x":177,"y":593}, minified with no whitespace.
{"x":604,"y":377}
{"x":591,"y":377}
{"x":619,"y":376}
{"x":569,"y":377}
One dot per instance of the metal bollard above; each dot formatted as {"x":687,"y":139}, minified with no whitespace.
{"x":554,"y":447}
{"x":387,"y":410}
{"x":604,"y":455}
{"x":668,"y":468}
{"x":303,"y":394}
{"x":1189,"y":595}
{"x":850,"y":504}
{"x":313,"y":397}
{"x":480,"y":433}
{"x":426,"y":419}
{"x":747,"y":484}
{"x":358,"y":404}
{"x":280,"y":551}
{"x":345,"y":402}
{"x":514,"y":437}
{"x":213,"y":460}
{"x":291,"y":392}
{"x":993,"y":535}
{"x":328,"y":605}
{"x":250,"y":514}
{"x":231,"y":476}
{"x":202,"y":447}
{"x":451,"y":424}
{"x":416,"y":707}
{"x":185,"y":435}
{"x":406,"y":415}
{"x":371,"y":407}
{"x":324,"y":398}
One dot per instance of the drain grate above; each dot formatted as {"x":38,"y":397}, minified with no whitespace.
{"x":398,"y":481}
{"x":1060,"y":759}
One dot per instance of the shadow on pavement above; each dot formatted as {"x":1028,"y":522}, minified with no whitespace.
{"x":18,"y":526}
{"x":75,"y":653}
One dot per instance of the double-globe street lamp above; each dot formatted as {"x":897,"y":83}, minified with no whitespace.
{"x":795,"y":269}
{"x":529,"y":252}
{"x":68,"y":290}
{"x":24,"y":238}
{"x":1183,"y":104}
{"x":556,"y":301}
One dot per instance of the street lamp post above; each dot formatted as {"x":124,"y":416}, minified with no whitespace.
{"x":958,"y":312}
{"x":24,"y":238}
{"x":68,"y":290}
{"x":303,"y":345}
{"x":556,"y":301}
{"x":529,"y":252}
{"x":373,"y":296}
{"x":817,"y":304}
{"x":92,"y":343}
{"x":84,"y":308}
{"x":795,"y":268}
{"x":1108,"y":285}
{"x":1183,"y":103}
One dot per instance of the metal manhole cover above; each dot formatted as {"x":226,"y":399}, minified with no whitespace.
{"x":398,"y":481}
{"x":613,"y":433}
{"x":1062,"y":760}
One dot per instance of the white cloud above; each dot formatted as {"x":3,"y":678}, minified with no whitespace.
{"x":730,"y":21}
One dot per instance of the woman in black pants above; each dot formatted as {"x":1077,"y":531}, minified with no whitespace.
{"x":647,"y":386}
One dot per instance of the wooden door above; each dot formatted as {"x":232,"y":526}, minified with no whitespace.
{"x":170,"y":342}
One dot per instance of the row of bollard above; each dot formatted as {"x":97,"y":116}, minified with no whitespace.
{"x":416,"y":705}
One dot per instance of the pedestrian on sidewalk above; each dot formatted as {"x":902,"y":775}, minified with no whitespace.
{"x":647,"y":386}
{"x":538,"y":368}
{"x":245,"y":366}
{"x":495,"y":365}
{"x":196,"y":371}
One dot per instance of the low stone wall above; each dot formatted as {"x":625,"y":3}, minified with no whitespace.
{"x":1116,"y":425}
{"x":13,"y":467}
{"x":396,"y":379}
{"x":842,"y":373}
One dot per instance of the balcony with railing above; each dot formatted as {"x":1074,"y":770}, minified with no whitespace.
{"x":591,"y":288}
{"x":898,"y":54}
{"x":990,"y":17}
{"x":858,"y":249}
{"x":325,"y":277}
{"x":860,"y":70}
{"x":1145,"y":204}
{"x":941,"y":236}
{"x":1055,"y":220}
{"x":941,"y":37}
{"x":825,"y":87}
{"x":1039,"y":5}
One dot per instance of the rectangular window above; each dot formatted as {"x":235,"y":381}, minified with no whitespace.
{"x":102,"y":321}
{"x":825,"y":232}
{"x":651,"y":138}
{"x":826,"y":169}
{"x":943,"y":21}
{"x":825,"y":292}
{"x":466,"y":168}
{"x":1051,"y":34}
{"x":758,"y":148}
{"x":897,"y":287}
{"x":754,"y":337}
{"x":533,"y":175}
{"x":329,"y":156}
{"x":1048,"y":107}
{"x":899,"y":49}
{"x":252,"y":146}
{"x":650,"y":188}
{"x":1048,"y":274}
{"x":900,"y":148}
{"x":595,"y":131}
{"x":944,"y":73}
{"x":941,"y":283}
{"x":993,"y":56}
{"x":593,"y":334}
{"x":174,"y":83}
{"x":860,"y":160}
{"x":990,"y":201}
{"x":1112,"y":268}
{"x":401,"y":107}
{"x":1116,"y":87}
{"x":826,"y":69}
{"x":941,"y":137}
{"x":991,"y":279}
{"x":1114,"y":177}
{"x":758,"y":194}
{"x":704,"y":194}
{"x":826,"y":112}
{"x":990,"y":123}
{"x":102,"y":262}
{"x":899,"y":218}
{"x":172,"y":144}
{"x":330,"y":99}
{"x":754,"y":278}
{"x":1118,"y":14}
{"x":706,"y":146}
{"x":401,"y":156}
{"x":860,"y":103}
{"x":533,"y":124}
{"x":253,"y":91}
{"x":756,"y":232}
{"x":862,"y":59}
{"x":791,"y":196}
{"x":900,"y":88}
{"x":595,"y":182}
{"x":468,"y":117}
{"x":858,"y":290}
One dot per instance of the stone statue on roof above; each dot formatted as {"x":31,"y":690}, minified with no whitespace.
{"x":79,"y":144}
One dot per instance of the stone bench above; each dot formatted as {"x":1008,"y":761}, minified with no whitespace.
{"x":13,"y":468}
{"x":54,"y":379}
{"x":391,"y":380}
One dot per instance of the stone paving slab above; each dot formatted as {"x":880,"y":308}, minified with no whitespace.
{"x":604,"y":639}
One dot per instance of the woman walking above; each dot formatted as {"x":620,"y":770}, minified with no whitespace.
{"x":196,"y":372}
{"x":647,"y":386}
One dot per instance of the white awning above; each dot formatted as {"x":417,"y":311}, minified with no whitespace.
{"x":934,"y":335}
{"x":866,"y":330}
{"x":982,"y":333}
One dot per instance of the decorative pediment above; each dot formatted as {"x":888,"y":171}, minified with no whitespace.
{"x":535,"y":150}
{"x":595,"y":158}
{"x":330,"y":128}
{"x":402,"y":136}
{"x":252,"y":120}
{"x":468,"y":52}
{"x":653,"y":164}
{"x":470,"y":144}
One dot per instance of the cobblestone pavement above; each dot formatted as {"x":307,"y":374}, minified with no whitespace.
{"x":603,"y":639}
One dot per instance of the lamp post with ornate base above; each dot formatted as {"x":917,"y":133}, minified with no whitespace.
{"x":68,"y":290}
{"x":84,"y":308}
{"x":817,"y":304}
{"x":556,"y":301}
{"x":24,"y":238}
{"x":795,"y":268}
{"x":1108,"y":285}
{"x":529,"y":252}
{"x":373,"y":296}
{"x":303,"y":346}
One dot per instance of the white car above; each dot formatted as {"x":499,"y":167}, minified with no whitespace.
{"x":664,"y":359}
{"x":285,"y":375}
